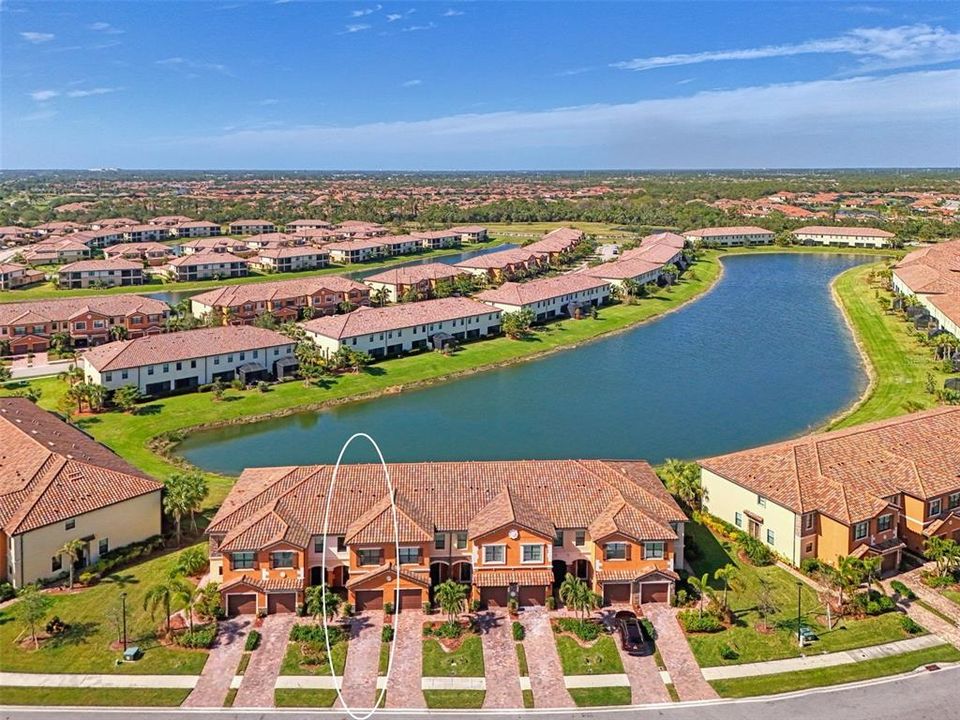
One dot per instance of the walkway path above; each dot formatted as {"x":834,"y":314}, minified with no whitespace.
{"x":359,"y":686}
{"x":9,"y":679}
{"x":403,"y":686}
{"x":214,"y":683}
{"x":932,"y":622}
{"x":500,"y":661}
{"x":543,"y":662}
{"x":676,"y":654}
{"x":256,"y":688}
{"x":929,"y":595}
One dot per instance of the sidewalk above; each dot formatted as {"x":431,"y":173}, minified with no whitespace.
{"x":97,"y":681}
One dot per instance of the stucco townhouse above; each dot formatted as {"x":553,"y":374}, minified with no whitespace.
{"x":115,"y":272}
{"x":557,"y":242}
{"x":207,"y":266}
{"x":145,"y":233}
{"x":844,"y":236}
{"x":470,"y":233}
{"x":55,"y":251}
{"x":15,"y":275}
{"x":307,"y":224}
{"x":196,"y":229}
{"x":291,"y":259}
{"x":150,"y":253}
{"x":251,"y":227}
{"x":550,"y":298}
{"x":932,"y":275}
{"x":216,"y":245}
{"x":355,"y":251}
{"x":437,"y":239}
{"x":733,"y":236}
{"x":422,"y":279}
{"x":505,"y":264}
{"x":507,"y":530}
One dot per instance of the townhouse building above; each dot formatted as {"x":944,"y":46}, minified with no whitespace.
{"x":55,"y":251}
{"x":932,"y":275}
{"x":470,"y":233}
{"x":416,"y":280}
{"x":504,"y":264}
{"x":866,"y":491}
{"x":170,"y":221}
{"x":636,"y":269}
{"x":108,"y":223}
{"x":307,"y":224}
{"x":387,"y":331}
{"x":549,"y":298}
{"x":57,"y":227}
{"x":100,"y":273}
{"x":507,"y":530}
{"x":100,"y":239}
{"x":196,"y":229}
{"x":271,"y":240}
{"x":291,"y":259}
{"x":207,"y":266}
{"x":400,"y":244}
{"x":251,"y":227}
{"x":557,"y":242}
{"x":731,"y":236}
{"x":437,"y":239}
{"x":28,"y":326}
{"x":15,"y":275}
{"x":61,"y":485}
{"x":354,"y":251}
{"x":216,"y":245}
{"x":354,"y":228}
{"x":844,"y":236}
{"x":180,"y":361}
{"x":145,"y":233}
{"x":285,"y":299}
{"x":149,"y":253}
{"x":15,"y":235}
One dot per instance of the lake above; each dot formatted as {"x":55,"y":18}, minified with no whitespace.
{"x":764,"y":356}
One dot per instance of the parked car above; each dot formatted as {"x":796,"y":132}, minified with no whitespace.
{"x":633,"y":639}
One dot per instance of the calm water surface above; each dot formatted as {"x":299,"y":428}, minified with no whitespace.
{"x":764,"y":356}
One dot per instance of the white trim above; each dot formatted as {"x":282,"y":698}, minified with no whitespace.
{"x":531,"y":562}
{"x":495,"y":562}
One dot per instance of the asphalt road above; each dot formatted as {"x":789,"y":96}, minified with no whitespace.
{"x":920,"y":696}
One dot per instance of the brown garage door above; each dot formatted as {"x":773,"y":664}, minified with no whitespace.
{"x":369,"y":600}
{"x":616,"y":593}
{"x":531,"y":595}
{"x":281,"y":603}
{"x":242,"y":604}
{"x":654,"y":592}
{"x":410,"y":600}
{"x":493,"y":596}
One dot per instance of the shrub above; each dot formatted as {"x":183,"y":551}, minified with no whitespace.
{"x":754,"y":550}
{"x":873,"y":603}
{"x":263,"y":386}
{"x":6,"y":591}
{"x":427,"y":608}
{"x":693,"y":622}
{"x":513,"y":606}
{"x":88,"y":578}
{"x":427,"y":631}
{"x":810,"y":566}
{"x":902,"y":590}
{"x":388,"y":608}
{"x":649,"y":628}
{"x":253,"y":641}
{"x":518,"y":631}
{"x":551,"y":603}
{"x":583,"y":629}
{"x":679,"y":598}
{"x":937,"y":581}
{"x":386,"y":634}
{"x":236,"y":384}
{"x":347,"y":609}
{"x":314,"y":633}
{"x":910,"y":625}
{"x":449,"y":630}
{"x":475,"y":606}
{"x":728,"y":653}
{"x":201,"y":637}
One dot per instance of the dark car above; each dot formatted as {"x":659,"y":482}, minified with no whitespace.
{"x":633,"y":639}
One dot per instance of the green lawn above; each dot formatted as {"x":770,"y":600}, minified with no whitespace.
{"x":900,"y":362}
{"x":384,"y":662}
{"x":951,"y":594}
{"x":594,"y":697}
{"x":754,"y":646}
{"x":292,"y":662}
{"x":464,"y":699}
{"x":85,"y":648}
{"x":112,"y":697}
{"x":789,"y":682}
{"x":528,"y":701}
{"x":286,"y":697}
{"x":522,"y":660}
{"x":465,"y":661}
{"x":601,"y":658}
{"x":130,"y":435}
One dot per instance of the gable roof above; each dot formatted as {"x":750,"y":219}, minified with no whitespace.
{"x":506,"y":509}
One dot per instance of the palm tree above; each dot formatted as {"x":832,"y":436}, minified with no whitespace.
{"x":380,"y":296}
{"x":96,"y":395}
{"x":702,"y":586}
{"x":576,"y":595}
{"x":683,"y":481}
{"x":163,"y":594}
{"x":78,"y":393}
{"x":725,"y":574}
{"x":119,"y":332}
{"x":847,"y":576}
{"x":72,"y":549}
{"x":177,"y":500}
{"x":317,"y":606}
{"x":72,"y":376}
{"x":451,"y":596}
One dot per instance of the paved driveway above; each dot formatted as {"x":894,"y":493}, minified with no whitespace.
{"x":256,"y":689}
{"x":676,"y":654}
{"x":501,"y":667}
{"x":403,"y":686}
{"x":214,"y":683}
{"x":646,"y":685}
{"x":359,"y":688}
{"x":543,"y":662}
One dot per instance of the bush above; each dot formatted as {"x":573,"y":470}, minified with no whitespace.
{"x":679,"y":598}
{"x":755,"y":551}
{"x":649,"y":628}
{"x":810,"y":566}
{"x":449,"y":630}
{"x":937,"y":581}
{"x":728,"y":653}
{"x":314,"y":633}
{"x":388,"y":608}
{"x":427,"y":631}
{"x":347,"y":609}
{"x":513,"y":606}
{"x":693,"y":622}
{"x":551,"y":603}
{"x":518,"y":631}
{"x":910,"y":625}
{"x":56,"y":626}
{"x":583,"y":629}
{"x":253,"y":641}
{"x":386,"y":634}
{"x":902,"y":590}
{"x":427,"y":608}
{"x":873,"y":603}
{"x":475,"y":606}
{"x":88,"y":578}
{"x":6,"y":591}
{"x":263,"y":386}
{"x":201,"y":637}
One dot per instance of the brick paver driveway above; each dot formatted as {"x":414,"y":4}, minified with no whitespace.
{"x":646,"y":686}
{"x":676,"y":654}
{"x":543,"y":663}
{"x":359,"y":688}
{"x":256,"y":689}
{"x":214,"y":683}
{"x":500,"y":663}
{"x":403,"y":686}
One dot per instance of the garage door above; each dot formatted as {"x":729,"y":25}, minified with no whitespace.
{"x":281,"y":603}
{"x":654,"y":592}
{"x":493,"y":596}
{"x":369,"y":600}
{"x":410,"y":600}
{"x":242,"y":604}
{"x":531,"y":595}
{"x":616,"y":593}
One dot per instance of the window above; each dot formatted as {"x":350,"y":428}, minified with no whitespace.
{"x":935,"y":506}
{"x":860,"y":530}
{"x":771,"y":537}
{"x":738,"y":519}
{"x":615,"y":551}
{"x":809,"y":548}
{"x":653,"y":550}
{"x":150,"y":370}
{"x":318,"y":544}
{"x":761,"y":501}
{"x":70,"y":524}
{"x":953,"y":501}
{"x":368,"y":556}
{"x":808,"y":521}
{"x":461,"y":540}
{"x":56,"y":562}
{"x":580,"y":538}
{"x":558,"y":539}
{"x":884,"y":522}
{"x":493,"y":554}
{"x":124,"y":374}
{"x":341,"y":544}
{"x":103,"y":547}
{"x":108,"y":377}
{"x":409,"y":556}
{"x":439,"y":541}
{"x":241,"y":560}
{"x":531,"y":553}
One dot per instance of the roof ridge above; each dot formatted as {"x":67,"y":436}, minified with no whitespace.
{"x":36,"y":492}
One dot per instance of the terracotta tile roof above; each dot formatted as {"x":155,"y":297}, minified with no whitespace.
{"x":846,"y":473}
{"x":434,"y":234}
{"x":506,"y":509}
{"x":237,"y":295}
{"x":502,"y":578}
{"x":309,"y":223}
{"x":556,"y":241}
{"x":51,"y":471}
{"x":365,"y":321}
{"x":839,"y":230}
{"x":94,"y":265}
{"x":623,"y":268}
{"x":415,"y":274}
{"x":63,"y":309}
{"x":206,"y":258}
{"x":620,"y":575}
{"x":285,"y":252}
{"x":621,"y":518}
{"x":197,"y":224}
{"x":141,"y":247}
{"x":377,"y":523}
{"x":732,"y":230}
{"x":248,"y":580}
{"x":542,"y":289}
{"x":250,"y":222}
{"x":422,"y":579}
{"x":468,"y":229}
{"x":933,"y":270}
{"x":669,"y":239}
{"x":185,"y":345}
{"x":503,"y":258}
{"x":348,"y":245}
{"x":216,"y":241}
{"x":263,"y":529}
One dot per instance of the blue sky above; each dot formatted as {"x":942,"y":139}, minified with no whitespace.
{"x":474,"y":85}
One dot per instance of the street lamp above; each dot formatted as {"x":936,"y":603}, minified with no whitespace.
{"x":799,"y":595}
{"x":123,"y":605}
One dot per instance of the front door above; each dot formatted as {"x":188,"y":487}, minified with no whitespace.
{"x":754,"y":527}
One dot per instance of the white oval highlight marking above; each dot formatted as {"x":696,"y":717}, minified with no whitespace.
{"x":323,"y":564}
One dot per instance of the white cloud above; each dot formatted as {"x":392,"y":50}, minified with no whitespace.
{"x":418,"y":28}
{"x":91,"y":92}
{"x":897,"y":120}
{"x":105,"y":27}
{"x":37,"y":37}
{"x":453,"y":13}
{"x":44,"y":95}
{"x":355,"y":28}
{"x":363,"y":12}
{"x":183,"y":64}
{"x":412,"y":83}
{"x":393,"y":17}
{"x":904,"y":46}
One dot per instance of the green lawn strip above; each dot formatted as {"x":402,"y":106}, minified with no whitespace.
{"x":465,"y":661}
{"x":287,"y":697}
{"x":866,"y":670}
{"x":935,"y":611}
{"x":522,"y":660}
{"x":900,"y":363}
{"x":85,"y":647}
{"x":384,"y":661}
{"x":293,"y":661}
{"x":463,"y":699}
{"x":130,"y":435}
{"x":754,"y":646}
{"x":594,"y":697}
{"x":244,"y":661}
{"x":231,"y":696}
{"x":112,"y":697}
{"x":951,"y":595}
{"x":528,"y":698}
{"x":672,"y":692}
{"x":601,"y":658}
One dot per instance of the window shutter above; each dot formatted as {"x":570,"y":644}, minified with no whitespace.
{"x":420,"y":556}
{"x":627,"y":548}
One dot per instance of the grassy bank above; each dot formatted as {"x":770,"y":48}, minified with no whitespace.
{"x":130,"y":435}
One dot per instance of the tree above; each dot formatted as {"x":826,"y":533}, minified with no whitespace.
{"x":443,"y":289}
{"x":846,"y":577}
{"x":96,"y":396}
{"x":945,"y":554}
{"x":60,"y":341}
{"x":72,"y":376}
{"x":5,"y":374}
{"x":118,"y":332}
{"x":184,"y":493}
{"x":517,"y":324}
{"x":34,"y":608}
{"x":576,"y":595}
{"x":380,"y":296}
{"x":218,"y":388}
{"x":192,"y":561}
{"x":726,"y":575}
{"x":765,"y":600}
{"x":317,"y":607}
{"x":451,"y":597}
{"x":162,"y":594}
{"x":78,"y":394}
{"x":126,"y":397}
{"x":683,"y":481}
{"x":266,"y":320}
{"x":702,"y":586}
{"x":72,"y":549}
{"x":190,"y":595}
